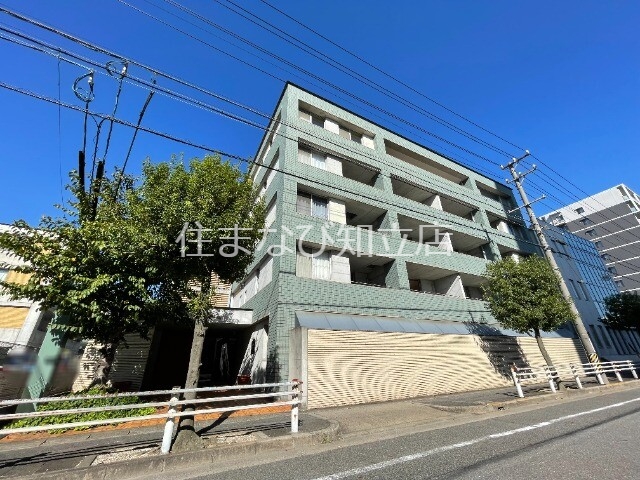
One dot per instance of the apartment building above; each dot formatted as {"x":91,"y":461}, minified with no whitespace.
{"x":590,"y":282}
{"x":367,"y":281}
{"x":611,"y":220}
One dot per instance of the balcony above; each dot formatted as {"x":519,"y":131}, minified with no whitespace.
{"x":316,"y":158}
{"x":440,"y":281}
{"x":432,"y":199}
{"x":444,"y":238}
{"x":405,"y":155}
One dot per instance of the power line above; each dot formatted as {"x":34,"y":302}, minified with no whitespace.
{"x":99,"y":49}
{"x":305,"y":47}
{"x":247,"y":161}
{"x":189,"y":100}
{"x":562,"y":187}
{"x":93,"y":47}
{"x":310,"y":74}
{"x":400,"y":82}
{"x":186,"y":99}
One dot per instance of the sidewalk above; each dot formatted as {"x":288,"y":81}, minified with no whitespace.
{"x":125,"y":453}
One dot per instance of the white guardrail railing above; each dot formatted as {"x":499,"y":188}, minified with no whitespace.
{"x":289,"y":392}
{"x":554,"y":373}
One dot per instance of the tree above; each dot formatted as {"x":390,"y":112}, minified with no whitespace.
{"x":623,"y":310}
{"x":209,"y":205}
{"x":525,"y":296}
{"x":103,"y":274}
{"x":120,"y":260}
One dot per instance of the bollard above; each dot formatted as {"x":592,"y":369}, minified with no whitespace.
{"x":632,"y":368}
{"x":575,"y":375}
{"x":168,"y":426}
{"x":552,"y":384}
{"x":596,"y":369}
{"x":295,"y":407}
{"x":617,"y":372}
{"x":516,"y":382}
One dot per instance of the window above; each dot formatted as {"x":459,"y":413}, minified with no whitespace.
{"x":612,"y":270}
{"x":315,"y":159}
{"x":585,"y":294}
{"x":313,"y":205}
{"x":335,"y":127}
{"x":350,"y":134}
{"x":311,"y":118}
{"x":579,"y":210}
{"x":270,"y":217}
{"x":562,"y":246}
{"x":632,"y":206}
{"x":313,"y":264}
{"x":574,"y":290}
{"x":606,"y":257}
{"x":3,"y":273}
{"x":586,"y":221}
{"x":590,"y":233}
{"x":598,"y":244}
{"x":619,"y":284}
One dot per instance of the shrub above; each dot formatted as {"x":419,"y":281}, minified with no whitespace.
{"x":83,"y":417}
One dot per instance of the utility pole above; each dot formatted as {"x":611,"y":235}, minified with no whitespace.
{"x":577,"y":321}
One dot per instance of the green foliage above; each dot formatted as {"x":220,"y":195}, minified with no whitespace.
{"x":623,"y":310}
{"x":105,"y":274}
{"x":218,"y":196}
{"x":121,"y":271}
{"x":525,"y":296}
{"x":84,"y":417}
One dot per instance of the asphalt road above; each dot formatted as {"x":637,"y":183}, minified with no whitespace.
{"x":594,"y":437}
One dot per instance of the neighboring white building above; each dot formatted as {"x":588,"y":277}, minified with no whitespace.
{"x":589,"y":283}
{"x":611,"y":220}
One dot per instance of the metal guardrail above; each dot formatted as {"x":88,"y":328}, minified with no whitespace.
{"x":553,"y":373}
{"x":290,"y":390}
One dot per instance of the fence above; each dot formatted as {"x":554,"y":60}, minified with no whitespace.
{"x":551,"y":374}
{"x":290,"y":390}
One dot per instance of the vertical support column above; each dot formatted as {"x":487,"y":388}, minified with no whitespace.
{"x":574,"y":371}
{"x":296,"y":406}
{"x":596,"y":369}
{"x":617,"y":372}
{"x":169,"y":425}
{"x":516,"y":381}
{"x":550,"y":378}
{"x":632,"y":369}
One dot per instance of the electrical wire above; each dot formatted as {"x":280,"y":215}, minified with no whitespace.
{"x":312,"y":75}
{"x":386,"y":74}
{"x":312,"y":181}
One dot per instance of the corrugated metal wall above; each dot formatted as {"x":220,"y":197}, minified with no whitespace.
{"x":127,"y":369}
{"x":350,"y":367}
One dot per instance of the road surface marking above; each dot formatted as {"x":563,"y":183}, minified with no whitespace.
{"x":433,"y":451}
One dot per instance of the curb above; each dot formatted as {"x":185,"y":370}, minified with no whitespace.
{"x":500,"y":405}
{"x":175,"y":461}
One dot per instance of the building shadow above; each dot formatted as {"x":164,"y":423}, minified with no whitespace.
{"x":502,"y":350}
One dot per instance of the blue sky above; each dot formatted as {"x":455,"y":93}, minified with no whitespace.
{"x":559,"y":78}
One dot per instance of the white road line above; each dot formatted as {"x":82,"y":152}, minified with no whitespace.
{"x":433,"y":451}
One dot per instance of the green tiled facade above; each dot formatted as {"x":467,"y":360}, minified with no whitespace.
{"x":287,"y":293}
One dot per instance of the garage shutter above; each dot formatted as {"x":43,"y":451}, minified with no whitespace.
{"x":350,"y":367}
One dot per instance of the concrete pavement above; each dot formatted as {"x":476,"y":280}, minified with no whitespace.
{"x":136,"y":452}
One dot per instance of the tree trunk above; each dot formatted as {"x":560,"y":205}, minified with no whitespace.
{"x":547,"y":358}
{"x":187,"y":439}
